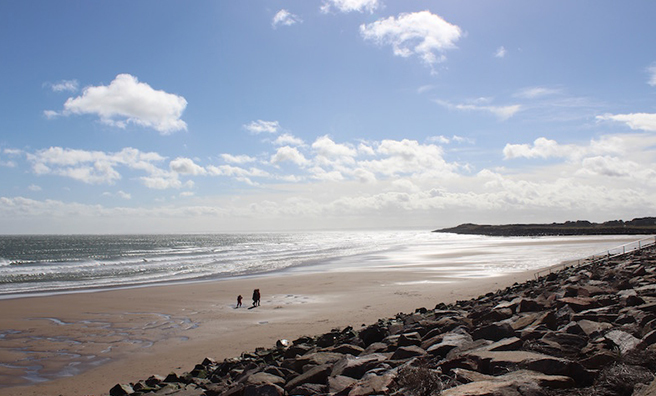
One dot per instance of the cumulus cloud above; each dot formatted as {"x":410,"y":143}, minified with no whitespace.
{"x":421,"y":33}
{"x":500,"y":53}
{"x":259,"y":126}
{"x":239,"y":174}
{"x":164,"y":183}
{"x":186,"y":166}
{"x":329,"y":152}
{"x":288,"y":139}
{"x":237,"y":159}
{"x":501,"y":112}
{"x":639,"y":121}
{"x":92,"y":167}
{"x":350,"y":5}
{"x":289,"y":154}
{"x":128,"y":101}
{"x":408,"y":157}
{"x":548,"y":148}
{"x":285,"y":18}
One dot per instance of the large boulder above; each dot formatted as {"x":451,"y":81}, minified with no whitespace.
{"x":517,"y":383}
{"x":356,"y":367}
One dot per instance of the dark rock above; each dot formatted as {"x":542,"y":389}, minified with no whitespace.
{"x":315,"y":359}
{"x":376,"y":347}
{"x":517,"y":383}
{"x":121,"y":390}
{"x":339,"y":383}
{"x":408,"y":339}
{"x":494,"y":332}
{"x":370,"y":385}
{"x":625,"y":342}
{"x":529,"y":305}
{"x":356,"y":367}
{"x":263,"y":390}
{"x":578,"y":304}
{"x":315,"y":375}
{"x":297,"y":349}
{"x":309,"y":390}
{"x":647,"y":340}
{"x":154,"y":380}
{"x":264,"y":378}
{"x":449,"y":342}
{"x":408,"y":352}
{"x":373,"y":333}
{"x":599,"y":359}
{"x":348,"y":349}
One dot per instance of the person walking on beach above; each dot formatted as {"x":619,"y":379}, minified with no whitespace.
{"x":239,"y":297}
{"x":256,"y":297}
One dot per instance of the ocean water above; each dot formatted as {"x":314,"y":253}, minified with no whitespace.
{"x":63,"y":263}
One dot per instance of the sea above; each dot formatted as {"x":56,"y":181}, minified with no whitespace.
{"x":52,"y":264}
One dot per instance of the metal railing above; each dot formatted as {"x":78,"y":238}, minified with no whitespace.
{"x":608,"y":254}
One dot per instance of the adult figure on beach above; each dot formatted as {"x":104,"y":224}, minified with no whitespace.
{"x":239,"y":297}
{"x":256,"y":297}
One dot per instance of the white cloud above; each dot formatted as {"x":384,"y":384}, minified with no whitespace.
{"x":128,"y":101}
{"x":420,"y":33}
{"x":237,"y":159}
{"x":285,"y":18}
{"x":124,"y":195}
{"x":239,"y":174}
{"x":365,"y":149}
{"x":34,"y":187}
{"x":93,"y":167}
{"x":640,"y":121}
{"x":288,"y":139}
{"x":651,"y":70}
{"x":121,"y":194}
{"x":609,"y":166}
{"x":350,"y":5}
{"x":328,"y":151}
{"x":65,"y":85}
{"x":501,"y":112}
{"x":161,"y":183}
{"x":186,"y":166}
{"x":547,"y":148}
{"x":408,"y":157}
{"x":50,"y":114}
{"x":259,"y":126}
{"x":289,"y":154}
{"x":500,"y":53}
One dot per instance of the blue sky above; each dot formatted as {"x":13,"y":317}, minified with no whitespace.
{"x":170,"y":116}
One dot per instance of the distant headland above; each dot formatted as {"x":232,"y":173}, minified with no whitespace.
{"x":638,"y":226}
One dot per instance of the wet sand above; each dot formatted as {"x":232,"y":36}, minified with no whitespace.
{"x":85,"y":343}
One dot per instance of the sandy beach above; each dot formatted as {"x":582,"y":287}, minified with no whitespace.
{"x":84,"y":343}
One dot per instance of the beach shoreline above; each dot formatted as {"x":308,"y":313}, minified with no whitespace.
{"x":84,"y":342}
{"x":129,"y":334}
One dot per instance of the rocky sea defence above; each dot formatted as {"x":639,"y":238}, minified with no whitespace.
{"x":585,"y":330}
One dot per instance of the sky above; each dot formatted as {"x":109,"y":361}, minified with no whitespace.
{"x":264,"y":115}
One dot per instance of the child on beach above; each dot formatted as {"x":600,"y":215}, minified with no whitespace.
{"x":239,"y":297}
